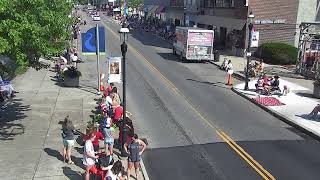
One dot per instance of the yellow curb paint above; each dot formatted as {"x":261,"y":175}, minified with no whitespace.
{"x":240,"y":151}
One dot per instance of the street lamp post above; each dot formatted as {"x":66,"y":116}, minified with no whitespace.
{"x":124,"y":48}
{"x":250,"y":27}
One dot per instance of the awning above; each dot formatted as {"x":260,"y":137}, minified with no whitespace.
{"x":228,"y":23}
{"x":160,"y":9}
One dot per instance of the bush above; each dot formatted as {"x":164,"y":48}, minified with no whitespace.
{"x":279,"y":53}
{"x":71,"y":72}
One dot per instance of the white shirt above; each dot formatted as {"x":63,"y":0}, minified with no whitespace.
{"x":109,"y":100}
{"x":88,"y":148}
{"x":75,"y":58}
{"x":113,"y":176}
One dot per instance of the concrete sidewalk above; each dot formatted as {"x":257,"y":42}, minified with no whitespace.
{"x":30,"y":133}
{"x":285,"y":72}
{"x":298,"y":104}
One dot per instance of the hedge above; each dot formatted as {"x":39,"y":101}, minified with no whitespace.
{"x":279,"y":53}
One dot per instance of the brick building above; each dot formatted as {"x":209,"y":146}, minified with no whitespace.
{"x":276,"y":20}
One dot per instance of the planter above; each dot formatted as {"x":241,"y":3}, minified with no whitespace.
{"x":71,"y":82}
{"x":316,"y":90}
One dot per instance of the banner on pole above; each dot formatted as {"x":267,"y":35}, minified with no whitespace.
{"x":88,"y":40}
{"x":255,"y":39}
{"x":114,"y":70}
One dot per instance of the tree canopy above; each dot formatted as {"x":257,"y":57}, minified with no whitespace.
{"x":30,"y":29}
{"x":135,"y":3}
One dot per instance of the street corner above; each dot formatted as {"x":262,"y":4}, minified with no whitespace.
{"x":285,"y":106}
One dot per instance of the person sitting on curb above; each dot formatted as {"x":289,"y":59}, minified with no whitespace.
{"x":315,"y":111}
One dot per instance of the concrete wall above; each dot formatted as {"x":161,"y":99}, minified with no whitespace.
{"x":307,"y":12}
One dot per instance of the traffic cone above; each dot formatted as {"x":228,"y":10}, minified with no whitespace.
{"x":101,"y":82}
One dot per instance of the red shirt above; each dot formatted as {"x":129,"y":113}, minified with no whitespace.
{"x":99,"y":136}
{"x":118,"y":113}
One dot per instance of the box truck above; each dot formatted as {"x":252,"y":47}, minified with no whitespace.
{"x":193,"y":43}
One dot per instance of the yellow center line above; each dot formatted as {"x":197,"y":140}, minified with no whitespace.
{"x":240,"y":151}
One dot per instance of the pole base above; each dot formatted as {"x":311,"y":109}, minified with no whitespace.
{"x":99,"y":93}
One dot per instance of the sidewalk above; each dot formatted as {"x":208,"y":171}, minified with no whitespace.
{"x":285,"y":72}
{"x":298,"y":103}
{"x":30,"y":133}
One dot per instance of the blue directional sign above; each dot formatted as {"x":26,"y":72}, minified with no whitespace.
{"x":89,"y":41}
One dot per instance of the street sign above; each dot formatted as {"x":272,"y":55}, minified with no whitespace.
{"x":114,"y":69}
{"x":89,"y":45}
{"x":255,"y":39}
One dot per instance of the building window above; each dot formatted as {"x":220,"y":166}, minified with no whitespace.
{"x":224,"y":3}
{"x":208,"y":3}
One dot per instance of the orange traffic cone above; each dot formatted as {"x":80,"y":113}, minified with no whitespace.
{"x":101,"y":82}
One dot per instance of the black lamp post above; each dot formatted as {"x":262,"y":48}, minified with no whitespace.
{"x":250,"y":27}
{"x":124,"y":48}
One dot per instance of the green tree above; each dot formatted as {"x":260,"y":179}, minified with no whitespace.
{"x":135,"y":3}
{"x":30,"y":29}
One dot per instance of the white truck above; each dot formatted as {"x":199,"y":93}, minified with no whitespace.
{"x":193,"y":43}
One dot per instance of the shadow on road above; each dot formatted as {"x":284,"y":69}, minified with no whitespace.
{"x":147,"y":38}
{"x":11,"y":116}
{"x":215,"y":84}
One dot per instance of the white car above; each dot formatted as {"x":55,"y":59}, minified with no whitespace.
{"x":96,"y":18}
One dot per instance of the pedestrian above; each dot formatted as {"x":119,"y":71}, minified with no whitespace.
{"x":75,"y":59}
{"x":98,"y":137}
{"x":115,"y":171}
{"x":108,"y":90}
{"x":130,"y":131}
{"x":117,"y":109}
{"x":229,"y":73}
{"x":89,"y":156}
{"x":68,"y":139}
{"x":108,"y":133}
{"x":134,"y":151}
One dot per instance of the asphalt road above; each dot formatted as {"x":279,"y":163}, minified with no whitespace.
{"x":178,"y":106}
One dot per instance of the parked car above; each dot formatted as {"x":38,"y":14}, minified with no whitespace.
{"x":96,"y":18}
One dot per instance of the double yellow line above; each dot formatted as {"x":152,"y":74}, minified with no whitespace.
{"x":240,"y":151}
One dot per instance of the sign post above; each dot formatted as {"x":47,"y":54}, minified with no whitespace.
{"x":93,"y":43}
{"x":98,"y":58}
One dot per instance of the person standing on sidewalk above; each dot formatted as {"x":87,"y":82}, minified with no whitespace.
{"x":229,"y":73}
{"x":68,"y":139}
{"x":134,"y":151}
{"x":108,"y":133}
{"x":89,"y":157}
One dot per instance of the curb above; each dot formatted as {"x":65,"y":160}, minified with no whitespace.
{"x":235,"y":74}
{"x":144,"y":171}
{"x":280,"y":116}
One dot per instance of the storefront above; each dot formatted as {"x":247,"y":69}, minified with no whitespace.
{"x":229,"y":32}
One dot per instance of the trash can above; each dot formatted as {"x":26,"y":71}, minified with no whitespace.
{"x":216,"y":56}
